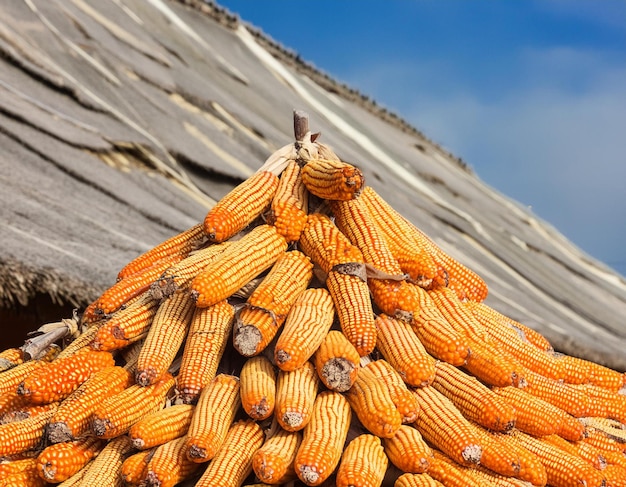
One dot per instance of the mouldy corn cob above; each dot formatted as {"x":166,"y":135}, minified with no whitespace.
{"x":106,"y":469}
{"x":258,"y":388}
{"x":337,"y":362}
{"x":288,"y":211}
{"x":363,"y":462}
{"x":296,"y":391}
{"x":408,"y":451}
{"x":169,"y":464}
{"x":273,"y":462}
{"x":161,"y":426}
{"x":332,"y":179}
{"x":60,"y":461}
{"x":238,"y":264}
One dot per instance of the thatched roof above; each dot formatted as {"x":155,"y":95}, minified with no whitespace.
{"x":121,"y":123}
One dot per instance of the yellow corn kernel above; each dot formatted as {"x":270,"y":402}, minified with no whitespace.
{"x":289,"y":206}
{"x":161,"y":426}
{"x":337,"y":362}
{"x":258,"y":387}
{"x":59,"y":462}
{"x":408,"y":451}
{"x":169,"y":464}
{"x":23,"y":435}
{"x":295,"y":395}
{"x":273,"y":463}
{"x":332,"y":179}
{"x":363,"y":462}
{"x":106,"y":468}
{"x":404,"y":400}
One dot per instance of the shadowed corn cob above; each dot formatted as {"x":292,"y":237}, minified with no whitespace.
{"x":240,"y":206}
{"x":404,"y":400}
{"x":238,"y":264}
{"x":258,"y":387}
{"x":445,"y":470}
{"x":106,"y":468}
{"x":10,"y":357}
{"x":23,"y":435}
{"x":233,"y":461}
{"x":205,"y":345}
{"x":161,"y":426}
{"x":273,"y":462}
{"x":363,"y":462}
{"x":25,"y":478}
{"x":169,"y":464}
{"x":26,"y":411}
{"x":11,"y":402}
{"x":289,"y":206}
{"x":135,"y":467}
{"x":12,"y":378}
{"x":59,"y":462}
{"x":295,"y":395}
{"x":416,"y":480}
{"x":337,"y":362}
{"x":332,"y":179}
{"x":408,"y":451}
{"x":324,"y":436}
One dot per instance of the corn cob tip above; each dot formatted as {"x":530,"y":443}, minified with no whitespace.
{"x":337,"y":374}
{"x":100,"y":426}
{"x":247,"y":339}
{"x":146,"y":377}
{"x":309,"y":475}
{"x":59,"y":432}
{"x":196,"y":453}
{"x":472,"y":454}
{"x":282,"y":356}
{"x":293,"y":419}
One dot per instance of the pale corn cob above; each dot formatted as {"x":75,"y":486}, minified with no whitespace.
{"x":204,"y":347}
{"x":371,"y":401}
{"x":337,"y":362}
{"x":404,"y":400}
{"x":475,"y":400}
{"x":161,"y":426}
{"x":416,"y":480}
{"x":296,"y":391}
{"x":106,"y":469}
{"x":215,"y":411}
{"x":135,"y":467}
{"x":332,"y":179}
{"x":118,"y":413}
{"x":169,"y":464}
{"x":240,"y":206}
{"x":397,"y":342}
{"x":288,"y":211}
{"x":165,"y":337}
{"x":589,"y":453}
{"x":306,"y":326}
{"x":273,"y":463}
{"x":238,"y":264}
{"x":23,"y":435}
{"x":233,"y":461}
{"x":267,"y":307}
{"x":363,"y":462}
{"x":324,"y":437}
{"x":258,"y":387}
{"x":60,"y":461}
{"x":72,"y":418}
{"x":180,"y":244}
{"x":408,"y":451}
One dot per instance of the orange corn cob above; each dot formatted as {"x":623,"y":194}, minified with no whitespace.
{"x":332,"y":179}
{"x":106,"y":469}
{"x":371,"y":401}
{"x":443,"y":425}
{"x":439,"y":338}
{"x":562,"y":468}
{"x":180,"y":275}
{"x":215,"y":411}
{"x":57,"y":380}
{"x":466,"y":283}
{"x":11,"y":402}
{"x":615,"y":475}
{"x":363,"y":462}
{"x":122,"y":291}
{"x":161,"y":426}
{"x":238,"y":264}
{"x":306,"y":326}
{"x":60,"y":461}
{"x":15,"y":466}
{"x":475,"y":400}
{"x":397,"y":342}
{"x":324,"y":437}
{"x":589,"y":453}
{"x":126,"y":326}
{"x":337,"y":362}
{"x":233,"y":461}
{"x":489,"y":363}
{"x":416,"y":480}
{"x":457,"y":314}
{"x":240,"y":206}
{"x":404,"y":400}
{"x":25,"y":412}
{"x":204,"y":347}
{"x":258,"y":387}
{"x":604,"y":441}
{"x":487,"y":478}
{"x":169,"y":464}
{"x":23,"y":435}
{"x":564,"y":396}
{"x":579,"y":371}
{"x":135,"y":468}
{"x":604,"y":402}
{"x":10,"y":357}
{"x":118,"y":413}
{"x":289,"y":206}
{"x":165,"y":337}
{"x":25,"y":478}
{"x":295,"y":395}
{"x":445,"y":470}
{"x":408,"y":451}
{"x":180,"y":244}
{"x":267,"y":307}
{"x":273,"y":462}
{"x":12,"y":378}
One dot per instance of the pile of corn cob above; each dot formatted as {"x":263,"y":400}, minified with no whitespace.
{"x":305,"y":334}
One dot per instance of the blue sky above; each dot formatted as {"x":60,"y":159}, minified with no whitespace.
{"x":531,"y":94}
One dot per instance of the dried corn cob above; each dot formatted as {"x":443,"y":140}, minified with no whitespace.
{"x":180,"y":244}
{"x":397,"y":342}
{"x":363,"y":462}
{"x":135,"y":468}
{"x":332,"y":179}
{"x":27,"y":411}
{"x":126,"y":326}
{"x":237,"y":265}
{"x":118,"y":413}
{"x":240,"y":206}
{"x":258,"y":387}
{"x":215,"y":411}
{"x":475,"y":400}
{"x":589,"y":453}
{"x":306,"y":326}
{"x":161,"y":426}
{"x":273,"y":462}
{"x":233,"y":461}
{"x":408,"y":451}
{"x":12,"y":378}
{"x":295,"y":395}
{"x":23,"y":435}
{"x":267,"y":307}
{"x":25,"y":478}
{"x":604,"y":402}
{"x":11,"y":402}
{"x":416,"y":480}
{"x":289,"y":206}
{"x":165,"y":337}
{"x":204,"y":347}
{"x":442,"y":424}
{"x":169,"y":464}
{"x":492,"y":365}
{"x":404,"y":400}
{"x":445,"y":470}
{"x":10,"y":357}
{"x":57,"y":380}
{"x":8,"y":468}
{"x":82,"y":341}
{"x":615,"y":476}
{"x":600,"y":439}
{"x":106,"y":469}
{"x":59,"y":462}
{"x":579,"y":371}
{"x":323,"y":439}
{"x":337,"y":362}
{"x":372,"y":403}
